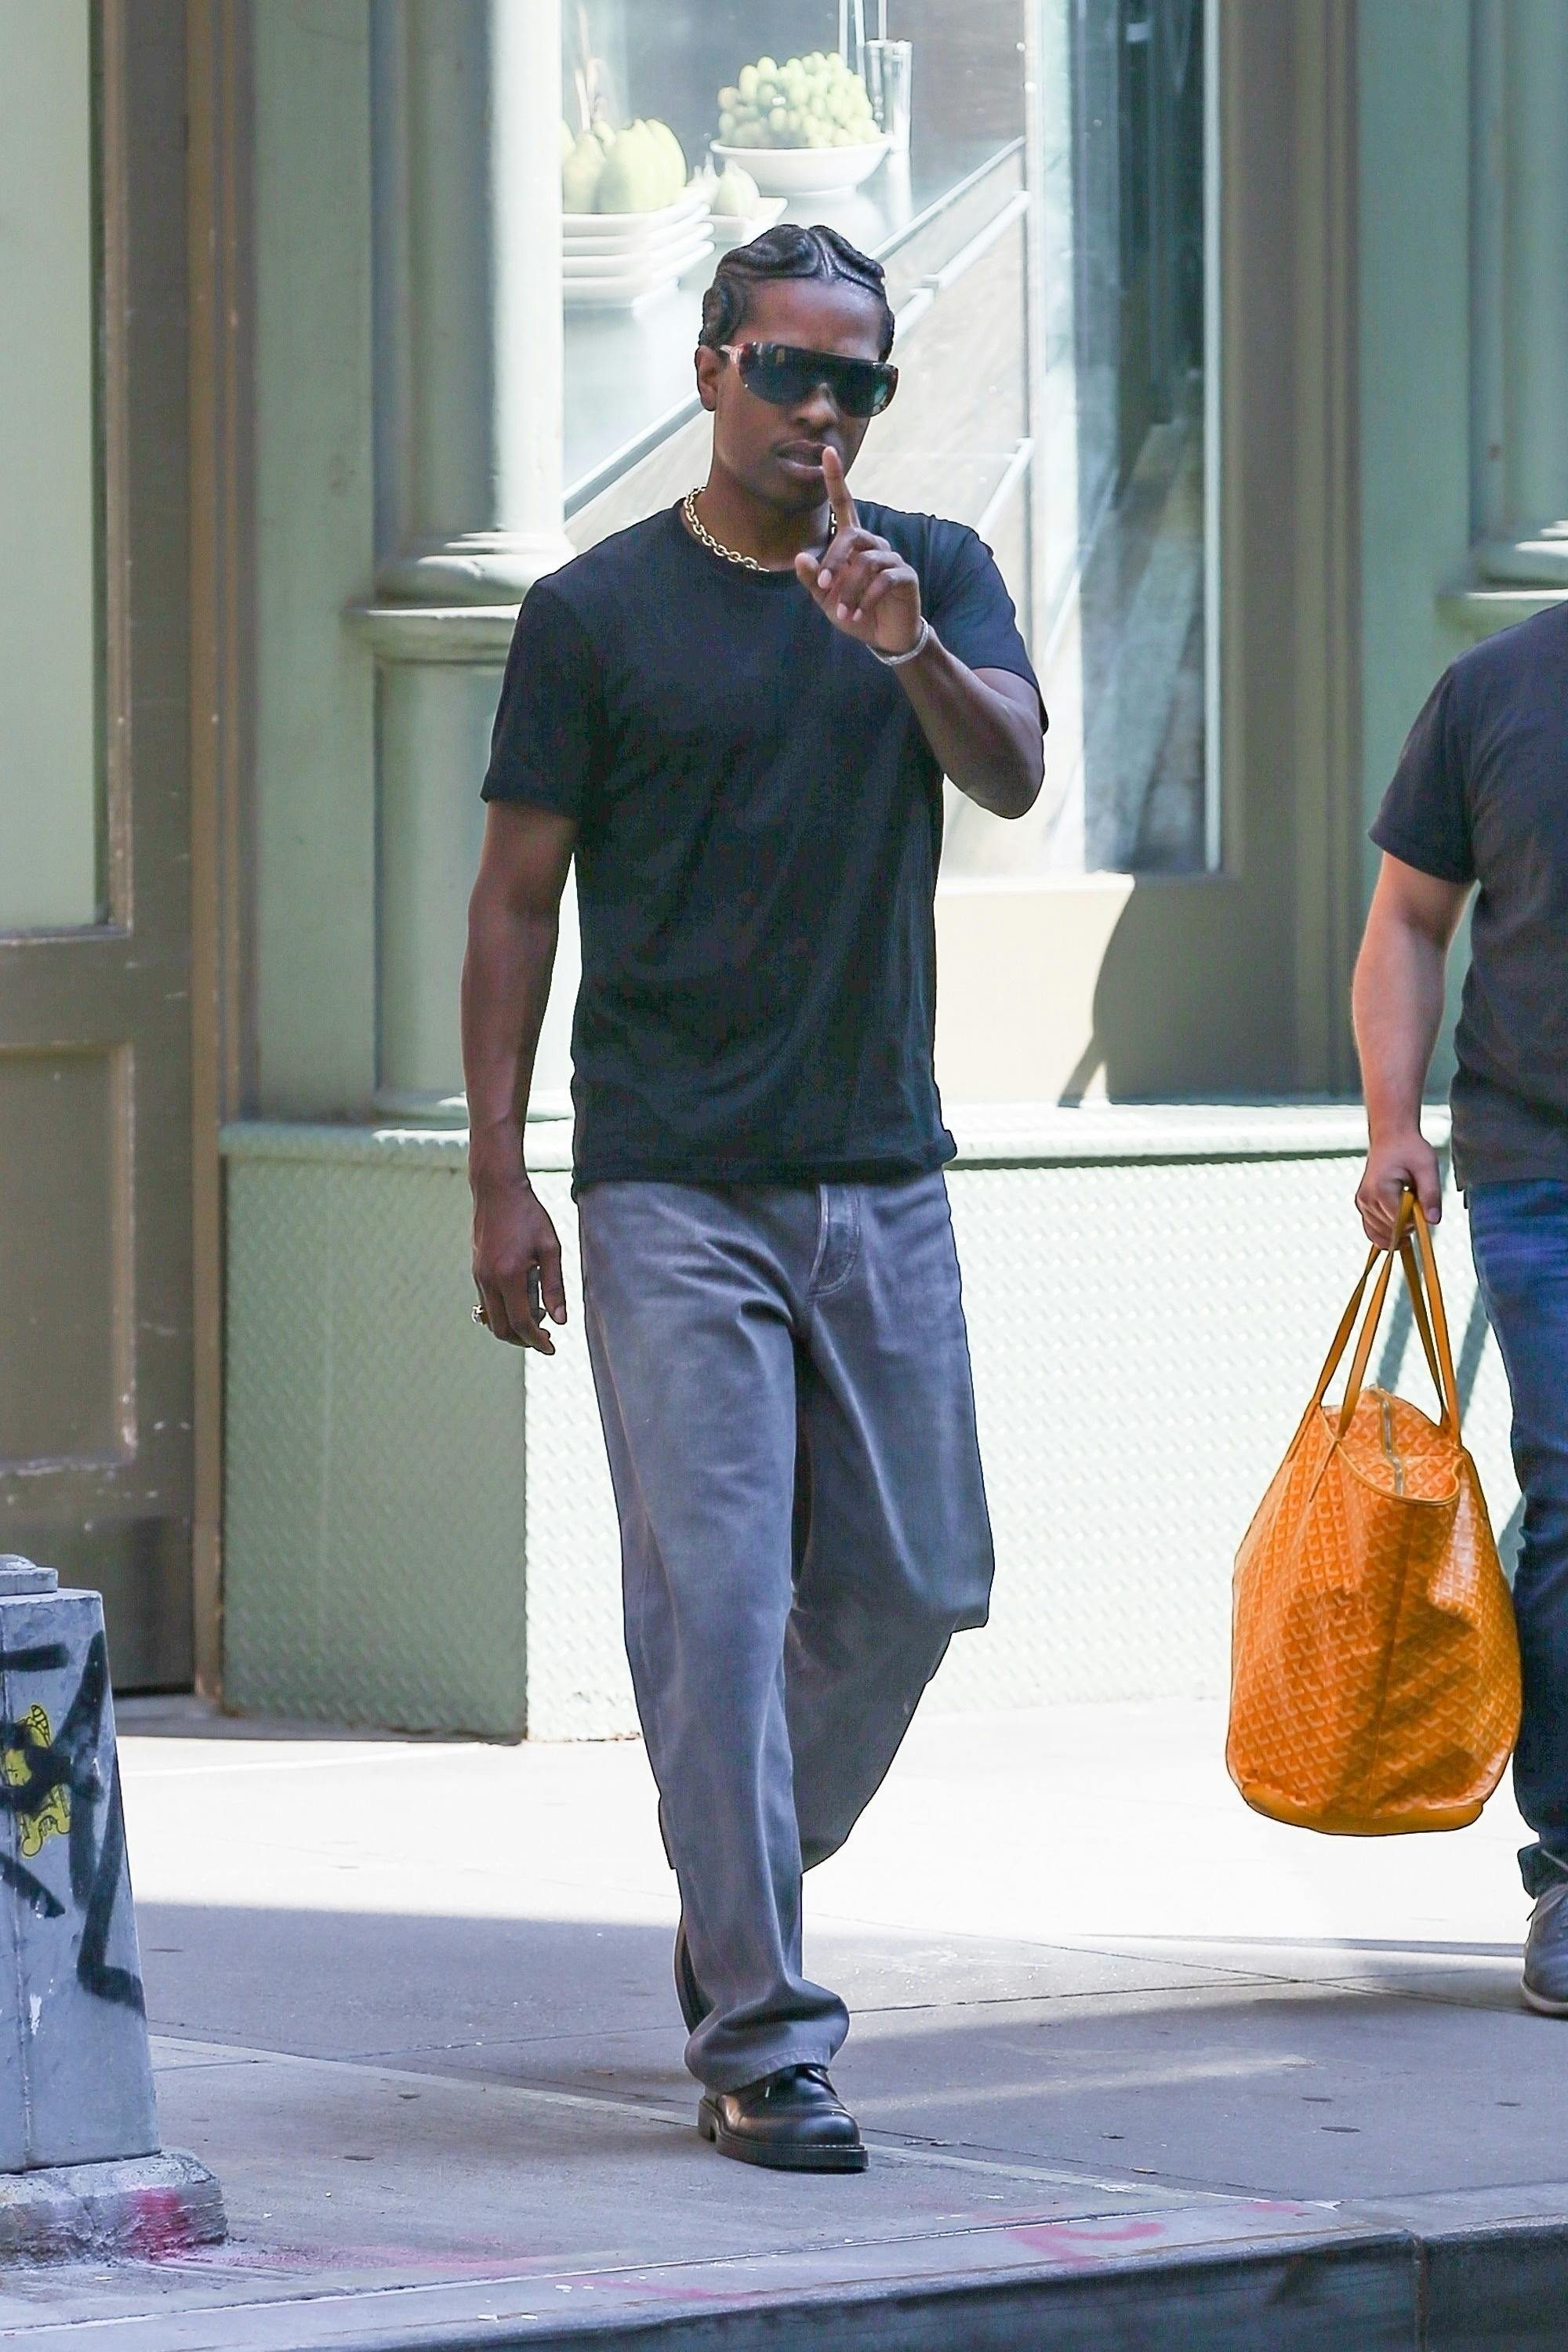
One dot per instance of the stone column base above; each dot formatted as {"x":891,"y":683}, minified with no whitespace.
{"x":133,"y":2208}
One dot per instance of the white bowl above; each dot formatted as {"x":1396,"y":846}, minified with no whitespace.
{"x":806,"y":171}
{"x":729,"y":229}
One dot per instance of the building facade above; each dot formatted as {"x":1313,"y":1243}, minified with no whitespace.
{"x":1237,"y":326}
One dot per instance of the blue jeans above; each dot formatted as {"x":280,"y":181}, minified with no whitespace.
{"x":1519,"y":1233}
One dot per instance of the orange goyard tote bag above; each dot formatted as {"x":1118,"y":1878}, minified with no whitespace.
{"x":1375,"y":1666}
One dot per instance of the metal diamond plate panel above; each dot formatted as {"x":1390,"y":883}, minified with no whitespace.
{"x":373,"y":1550}
{"x":1146,"y":1335}
{"x":578,"y":1683}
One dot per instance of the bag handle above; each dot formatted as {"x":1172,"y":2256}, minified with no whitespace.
{"x":1434,"y":1339}
{"x":1428,"y":1346}
{"x":1432,"y":1325}
{"x":1446,"y":1385}
{"x":1341,"y":1339}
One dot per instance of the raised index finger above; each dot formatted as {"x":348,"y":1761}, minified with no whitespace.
{"x":838,"y":497}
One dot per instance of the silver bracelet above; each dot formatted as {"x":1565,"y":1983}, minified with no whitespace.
{"x":913,"y":652}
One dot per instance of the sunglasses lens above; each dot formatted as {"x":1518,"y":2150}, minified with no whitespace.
{"x":781,"y":374}
{"x":778,"y":374}
{"x":855,"y":387}
{"x":878,"y":392}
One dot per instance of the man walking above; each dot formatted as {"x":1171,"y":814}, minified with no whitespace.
{"x":737,"y":716}
{"x":1480,"y":800}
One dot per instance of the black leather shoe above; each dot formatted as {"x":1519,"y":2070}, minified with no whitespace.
{"x":694,"y":2002}
{"x":793,"y":2122}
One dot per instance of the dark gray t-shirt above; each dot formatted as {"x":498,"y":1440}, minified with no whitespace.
{"x":759,"y":821}
{"x":1480,"y":794}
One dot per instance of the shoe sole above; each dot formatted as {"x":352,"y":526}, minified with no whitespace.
{"x":1542,"y":2003}
{"x":778,"y":2159}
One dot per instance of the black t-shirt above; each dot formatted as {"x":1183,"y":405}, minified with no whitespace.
{"x":1480,"y":794}
{"x":759,"y":821}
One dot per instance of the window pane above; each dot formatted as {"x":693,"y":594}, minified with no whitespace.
{"x":628,"y":354}
{"x":1044,"y":243}
{"x":1117,"y":157}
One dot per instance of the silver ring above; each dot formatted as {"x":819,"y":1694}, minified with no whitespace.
{"x":479,"y":1315}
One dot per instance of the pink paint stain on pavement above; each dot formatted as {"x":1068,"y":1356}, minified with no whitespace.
{"x":1081,"y":2243}
{"x":160,"y":2225}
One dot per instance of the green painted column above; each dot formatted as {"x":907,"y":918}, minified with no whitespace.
{"x":469,"y":339}
{"x":469,"y":393}
{"x":1537,"y":316}
{"x":1519,"y":288}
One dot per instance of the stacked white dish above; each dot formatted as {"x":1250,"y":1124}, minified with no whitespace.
{"x":806,"y":171}
{"x":613,"y":261}
{"x":731,"y":229}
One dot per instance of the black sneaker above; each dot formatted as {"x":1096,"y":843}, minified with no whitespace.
{"x":792,"y":2121}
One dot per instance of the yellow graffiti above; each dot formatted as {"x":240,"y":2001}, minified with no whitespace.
{"x":53,"y":1818}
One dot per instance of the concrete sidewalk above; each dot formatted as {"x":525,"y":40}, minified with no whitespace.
{"x":1137,"y":2067}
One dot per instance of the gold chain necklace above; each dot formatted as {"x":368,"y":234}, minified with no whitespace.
{"x":705,"y":537}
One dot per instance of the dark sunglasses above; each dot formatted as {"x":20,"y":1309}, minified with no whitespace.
{"x":784,"y":373}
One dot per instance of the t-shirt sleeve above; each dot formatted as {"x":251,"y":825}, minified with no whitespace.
{"x":970,"y":609}
{"x":1424,"y":819}
{"x":547,"y":746}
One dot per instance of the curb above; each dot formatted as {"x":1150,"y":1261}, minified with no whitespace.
{"x":1494,"y":2287}
{"x":140,"y":2207}
{"x":1359,"y":2292}
{"x":1503,"y":2289}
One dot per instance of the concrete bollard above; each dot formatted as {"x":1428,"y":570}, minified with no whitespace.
{"x":80,"y":2169}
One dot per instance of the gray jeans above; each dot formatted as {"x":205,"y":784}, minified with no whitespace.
{"x":784,"y":1377}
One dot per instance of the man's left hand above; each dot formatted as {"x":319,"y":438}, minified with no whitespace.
{"x":863,"y":585}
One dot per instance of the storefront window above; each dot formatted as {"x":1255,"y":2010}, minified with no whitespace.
{"x":1122,"y":632}
{"x":1043,"y":233}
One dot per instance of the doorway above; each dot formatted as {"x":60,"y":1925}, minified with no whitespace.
{"x":96,"y":1442}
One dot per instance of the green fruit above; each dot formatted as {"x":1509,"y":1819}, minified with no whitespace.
{"x":636,"y":173}
{"x":567,"y":141}
{"x":737,"y":196}
{"x":812,"y":101}
{"x":674,"y":155}
{"x":580,"y":175}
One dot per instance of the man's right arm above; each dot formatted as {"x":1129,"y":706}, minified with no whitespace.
{"x":1397,"y":999}
{"x":514,"y":918}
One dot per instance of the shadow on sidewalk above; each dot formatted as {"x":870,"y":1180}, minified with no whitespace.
{"x":1283,"y":2069}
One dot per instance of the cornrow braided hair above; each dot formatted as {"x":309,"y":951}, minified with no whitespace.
{"x":788,"y":251}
